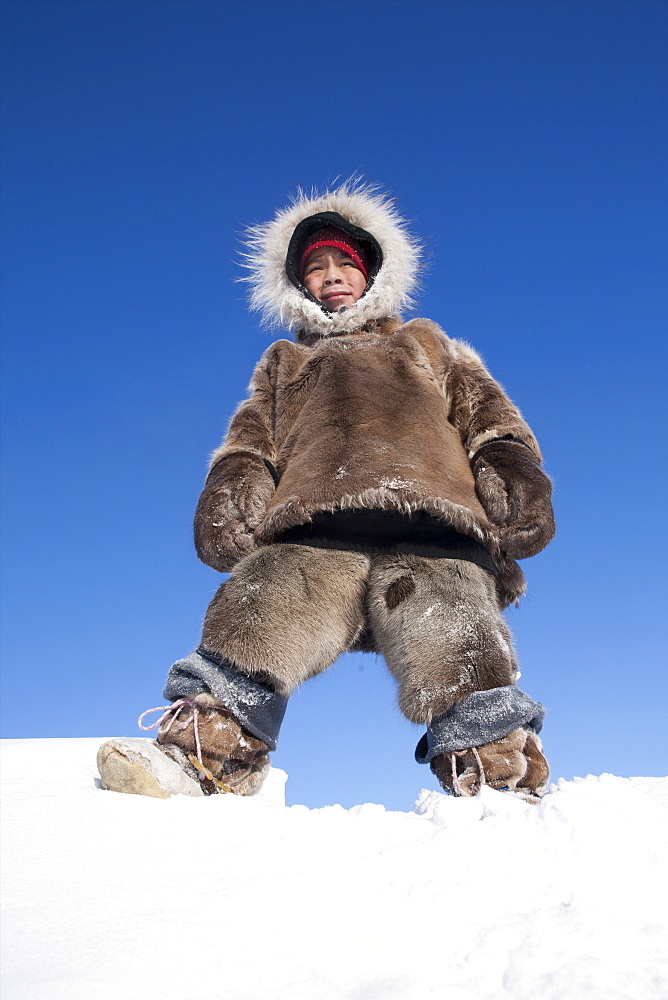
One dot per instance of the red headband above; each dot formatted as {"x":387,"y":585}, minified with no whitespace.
{"x":334,"y":238}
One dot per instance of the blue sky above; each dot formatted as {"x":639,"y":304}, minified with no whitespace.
{"x":525,"y":141}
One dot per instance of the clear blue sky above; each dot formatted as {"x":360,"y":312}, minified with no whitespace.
{"x":526,"y":142}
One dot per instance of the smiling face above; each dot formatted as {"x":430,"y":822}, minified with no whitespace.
{"x":333,"y":278}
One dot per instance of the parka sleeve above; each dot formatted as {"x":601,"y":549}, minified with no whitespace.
{"x":505,"y":458}
{"x":251,"y":428}
{"x":481,"y":410}
{"x":241,"y":477}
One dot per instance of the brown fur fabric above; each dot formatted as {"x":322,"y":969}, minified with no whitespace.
{"x":398,"y":591}
{"x":538,"y":771}
{"x":232,"y":505}
{"x":446,"y":639}
{"x":515,"y":493}
{"x":288,"y":611}
{"x":387,"y":418}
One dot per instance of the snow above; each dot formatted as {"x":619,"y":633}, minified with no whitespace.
{"x":397,"y":484}
{"x":110,"y":896}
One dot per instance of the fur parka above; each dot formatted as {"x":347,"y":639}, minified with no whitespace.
{"x":368,"y":411}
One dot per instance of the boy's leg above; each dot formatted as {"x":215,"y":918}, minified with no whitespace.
{"x":284,"y":615}
{"x":441,"y":631}
{"x":286,"y":612}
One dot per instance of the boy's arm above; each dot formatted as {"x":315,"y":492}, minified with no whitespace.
{"x":505,"y":458}
{"x":241,"y":477}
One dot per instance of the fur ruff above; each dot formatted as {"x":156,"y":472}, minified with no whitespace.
{"x":282,"y":304}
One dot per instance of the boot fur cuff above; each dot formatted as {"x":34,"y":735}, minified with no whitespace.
{"x":482,"y":717}
{"x":256,"y":706}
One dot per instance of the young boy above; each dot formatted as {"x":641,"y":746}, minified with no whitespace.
{"x":372,"y":493}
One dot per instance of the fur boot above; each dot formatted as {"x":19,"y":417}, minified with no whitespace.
{"x":514,"y":763}
{"x":139,"y":767}
{"x":225,"y":756}
{"x":201,"y":749}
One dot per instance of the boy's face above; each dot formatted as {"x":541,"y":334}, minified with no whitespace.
{"x":333,"y":278}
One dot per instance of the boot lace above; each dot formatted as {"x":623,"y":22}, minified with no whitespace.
{"x":457,"y":788}
{"x":179,"y":715}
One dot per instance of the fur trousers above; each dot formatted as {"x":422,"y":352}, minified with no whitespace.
{"x":288,"y":610}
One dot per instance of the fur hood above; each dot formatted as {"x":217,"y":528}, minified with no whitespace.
{"x":283,"y":304}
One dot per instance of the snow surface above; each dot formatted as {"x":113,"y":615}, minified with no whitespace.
{"x":114,"y":897}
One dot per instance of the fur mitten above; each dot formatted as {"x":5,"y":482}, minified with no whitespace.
{"x":233,"y":503}
{"x":515,"y":493}
{"x":514,"y":763}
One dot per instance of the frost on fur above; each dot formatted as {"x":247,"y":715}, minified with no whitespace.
{"x":282,"y":305}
